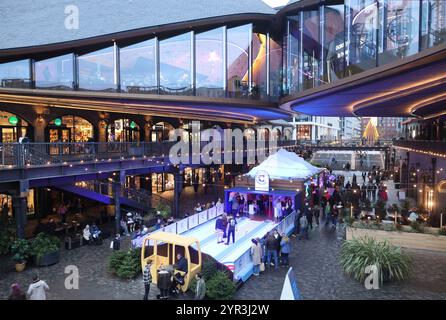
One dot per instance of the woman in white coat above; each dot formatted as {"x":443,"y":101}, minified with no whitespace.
{"x":256,"y":254}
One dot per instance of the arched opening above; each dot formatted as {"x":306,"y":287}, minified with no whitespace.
{"x":123,"y":130}
{"x":162,"y":131}
{"x":288,"y":134}
{"x":277,"y":134}
{"x":264,"y":134}
{"x":70,"y":128}
{"x":13,"y":127}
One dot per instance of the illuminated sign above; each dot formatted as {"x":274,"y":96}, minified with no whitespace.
{"x":13,"y":120}
{"x":262,"y":181}
{"x":57,"y":121}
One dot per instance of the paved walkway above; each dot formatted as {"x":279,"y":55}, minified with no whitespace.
{"x":319,"y":276}
{"x":96,"y":282}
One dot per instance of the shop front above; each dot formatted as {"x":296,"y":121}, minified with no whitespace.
{"x":12,"y":128}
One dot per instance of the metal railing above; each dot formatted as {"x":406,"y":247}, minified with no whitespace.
{"x":425,"y":146}
{"x":39,"y":153}
{"x":140,"y":196}
{"x":353,"y":143}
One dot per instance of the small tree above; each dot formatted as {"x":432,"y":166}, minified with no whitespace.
{"x":220,"y":287}
{"x":20,"y":248}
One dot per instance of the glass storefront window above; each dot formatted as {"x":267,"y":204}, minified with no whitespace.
{"x":70,"y":129}
{"x":275,"y":68}
{"x":12,"y":127}
{"x":293,"y":57}
{"x":259,"y":66}
{"x":15,"y":74}
{"x":311,"y":49}
{"x":55,"y":73}
{"x":361,"y":27}
{"x":96,"y":70}
{"x":433,"y":25}
{"x":399,"y":27}
{"x":334,"y":43}
{"x":138,"y":68}
{"x":123,"y":130}
{"x":238,"y":60}
{"x":175,"y":65}
{"x":209,"y":63}
{"x":162,"y":131}
{"x":6,"y":202}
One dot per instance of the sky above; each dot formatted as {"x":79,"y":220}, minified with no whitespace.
{"x":276,"y":3}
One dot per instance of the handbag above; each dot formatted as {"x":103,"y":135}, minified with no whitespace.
{"x":262,"y":267}
{"x":111,"y":244}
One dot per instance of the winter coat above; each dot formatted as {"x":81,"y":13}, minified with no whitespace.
{"x":36,"y":290}
{"x":256,"y":254}
{"x":285,"y":246}
{"x":272,"y":243}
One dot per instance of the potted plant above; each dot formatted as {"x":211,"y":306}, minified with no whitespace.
{"x":20,"y":249}
{"x":45,"y":249}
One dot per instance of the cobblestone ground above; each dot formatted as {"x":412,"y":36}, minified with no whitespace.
{"x":319,"y":276}
{"x":96,"y":282}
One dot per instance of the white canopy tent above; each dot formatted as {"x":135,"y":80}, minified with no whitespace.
{"x":285,"y":165}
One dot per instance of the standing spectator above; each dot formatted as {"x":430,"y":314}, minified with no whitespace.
{"x":303,"y":222}
{"x":271,"y":248}
{"x":309,"y":214}
{"x":197,"y":178}
{"x":256,"y":255}
{"x":37,"y":289}
{"x":285,"y":250}
{"x":296,"y":223}
{"x":224,"y":224}
{"x":374,"y":191}
{"x":201,"y":287}
{"x":198,"y":208}
{"x":16,"y":293}
{"x":147,"y":280}
{"x":316,"y":214}
{"x":117,"y":242}
{"x":232,"y":224}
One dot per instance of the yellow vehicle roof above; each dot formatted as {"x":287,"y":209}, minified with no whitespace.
{"x":172,"y":238}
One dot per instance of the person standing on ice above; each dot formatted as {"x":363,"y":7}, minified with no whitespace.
{"x":232,"y":223}
{"x":219,"y":230}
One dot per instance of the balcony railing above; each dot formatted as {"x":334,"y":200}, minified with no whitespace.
{"x":434,"y":148}
{"x":40,"y":154}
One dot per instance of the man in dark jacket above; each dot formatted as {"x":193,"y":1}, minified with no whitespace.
{"x":181,"y":264}
{"x":272,"y":246}
{"x":232,"y":223}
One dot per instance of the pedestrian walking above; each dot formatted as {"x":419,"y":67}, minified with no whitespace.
{"x":37,"y":289}
{"x":201,"y":287}
{"x":303,"y":227}
{"x":16,"y":293}
{"x":116,"y":244}
{"x":309,"y":215}
{"x":316,"y":214}
{"x":147,"y":280}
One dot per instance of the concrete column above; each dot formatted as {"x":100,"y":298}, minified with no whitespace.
{"x":116,"y":198}
{"x":19,"y":202}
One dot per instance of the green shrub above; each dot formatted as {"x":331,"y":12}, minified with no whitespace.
{"x":349,"y":220}
{"x":163,"y":209}
{"x":44,"y":244}
{"x":220,"y":287}
{"x":389,"y":227}
{"x":357,"y":254}
{"x":126,"y":264}
{"x":442,"y":231}
{"x":416,"y":227}
{"x":380,"y":208}
{"x":208,"y":268}
{"x":20,"y":248}
{"x":6,"y":239}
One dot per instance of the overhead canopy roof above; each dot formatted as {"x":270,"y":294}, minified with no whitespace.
{"x":33,"y":23}
{"x":411,"y":86}
{"x":285,"y":165}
